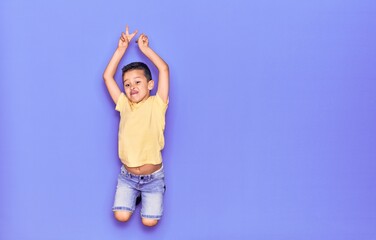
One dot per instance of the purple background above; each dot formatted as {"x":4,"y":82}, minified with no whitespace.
{"x":271,"y":127}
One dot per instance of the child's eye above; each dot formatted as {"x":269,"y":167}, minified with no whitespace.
{"x":126,"y":85}
{"x":138,"y":82}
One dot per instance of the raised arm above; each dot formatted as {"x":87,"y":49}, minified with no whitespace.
{"x":112,"y":66}
{"x":164,"y":74}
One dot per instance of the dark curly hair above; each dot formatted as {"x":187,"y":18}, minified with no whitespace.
{"x":138,"y":66}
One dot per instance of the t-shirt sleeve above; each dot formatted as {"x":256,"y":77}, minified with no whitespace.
{"x":122,"y":100}
{"x":161,"y":104}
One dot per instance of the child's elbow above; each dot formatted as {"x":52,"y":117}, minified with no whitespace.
{"x":165,"y":68}
{"x":106,"y":77}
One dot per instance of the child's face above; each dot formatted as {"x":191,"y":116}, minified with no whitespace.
{"x":136,"y":86}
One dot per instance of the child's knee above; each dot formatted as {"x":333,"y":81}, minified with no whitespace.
{"x":149,"y":222}
{"x":122,"y":216}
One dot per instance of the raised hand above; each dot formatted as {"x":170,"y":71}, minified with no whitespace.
{"x":164,"y":72}
{"x":126,"y":38}
{"x":143,"y":42}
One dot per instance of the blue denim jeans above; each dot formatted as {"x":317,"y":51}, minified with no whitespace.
{"x":150,"y":187}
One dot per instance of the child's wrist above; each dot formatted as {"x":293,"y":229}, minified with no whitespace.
{"x":121,"y":49}
{"x":145,"y":49}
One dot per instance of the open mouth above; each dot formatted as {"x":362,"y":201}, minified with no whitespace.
{"x":133,"y":92}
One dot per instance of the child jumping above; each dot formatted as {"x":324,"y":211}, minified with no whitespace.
{"x":141,"y":131}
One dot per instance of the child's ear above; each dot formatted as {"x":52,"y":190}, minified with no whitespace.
{"x":150,"y":84}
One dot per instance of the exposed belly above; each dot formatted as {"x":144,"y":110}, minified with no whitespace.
{"x":144,"y":169}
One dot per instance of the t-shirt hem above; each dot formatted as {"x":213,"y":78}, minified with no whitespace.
{"x":139,"y":164}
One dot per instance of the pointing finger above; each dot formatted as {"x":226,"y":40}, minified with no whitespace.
{"x":134,"y":33}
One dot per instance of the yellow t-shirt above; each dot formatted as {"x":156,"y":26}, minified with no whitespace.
{"x":141,"y":130}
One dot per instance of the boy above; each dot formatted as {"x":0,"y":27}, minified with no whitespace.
{"x":141,"y":139}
